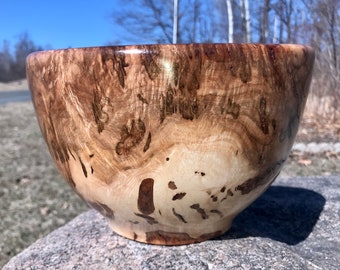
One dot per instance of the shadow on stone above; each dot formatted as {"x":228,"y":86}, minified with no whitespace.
{"x":282,"y":213}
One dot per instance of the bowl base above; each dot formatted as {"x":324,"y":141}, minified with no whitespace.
{"x":167,"y":238}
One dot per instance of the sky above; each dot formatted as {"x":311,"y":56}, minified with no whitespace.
{"x":58,"y":24}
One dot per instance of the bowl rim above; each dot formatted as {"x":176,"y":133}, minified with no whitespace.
{"x":142,"y":48}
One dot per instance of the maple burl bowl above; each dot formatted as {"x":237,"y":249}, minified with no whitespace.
{"x":170,"y":142}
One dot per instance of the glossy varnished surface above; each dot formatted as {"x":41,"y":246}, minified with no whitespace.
{"x":170,"y":142}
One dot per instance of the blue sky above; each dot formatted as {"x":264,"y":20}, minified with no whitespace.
{"x":58,"y":24}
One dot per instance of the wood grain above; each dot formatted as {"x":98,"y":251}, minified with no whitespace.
{"x":115,"y":116}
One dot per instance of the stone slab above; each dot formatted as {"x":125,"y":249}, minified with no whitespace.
{"x":295,"y":224}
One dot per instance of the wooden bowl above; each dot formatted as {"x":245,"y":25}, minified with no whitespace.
{"x":170,"y":142}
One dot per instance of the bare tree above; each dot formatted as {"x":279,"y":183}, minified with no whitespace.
{"x":323,"y":31}
{"x":196,"y":21}
{"x":325,"y":34}
{"x":175,"y":23}
{"x":245,"y":16}
{"x":285,"y":11}
{"x":6,"y":62}
{"x":276,"y":35}
{"x":23,"y":47}
{"x":247,"y":20}
{"x":264,"y":28}
{"x":152,"y":21}
{"x":13,"y":67}
{"x":331,"y":20}
{"x":230,"y":21}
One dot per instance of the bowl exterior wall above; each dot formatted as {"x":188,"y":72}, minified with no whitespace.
{"x":170,"y":142}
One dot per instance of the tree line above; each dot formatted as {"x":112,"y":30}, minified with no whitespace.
{"x":13,"y":64}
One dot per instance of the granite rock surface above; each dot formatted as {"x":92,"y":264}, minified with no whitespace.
{"x":295,"y":224}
